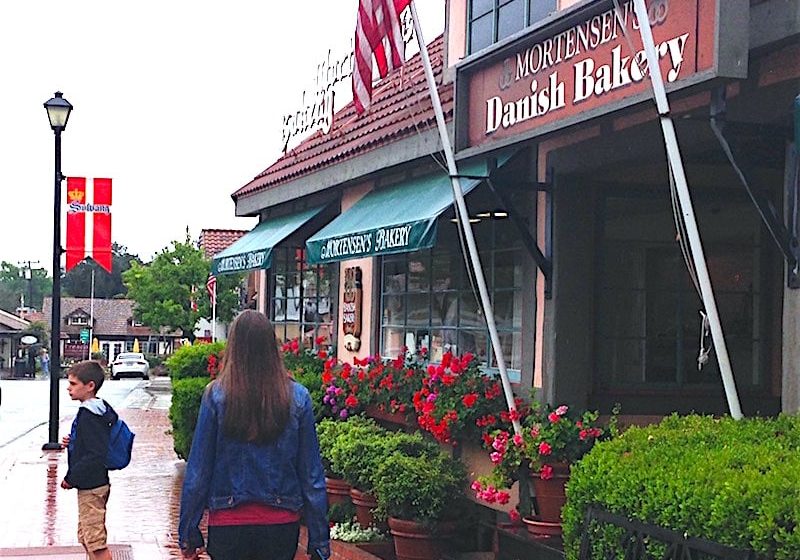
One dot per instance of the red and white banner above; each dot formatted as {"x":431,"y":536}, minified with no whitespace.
{"x":379,"y":36}
{"x":94,"y":241}
{"x":211,"y":287}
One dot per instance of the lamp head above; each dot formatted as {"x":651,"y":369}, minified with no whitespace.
{"x":58,"y":110}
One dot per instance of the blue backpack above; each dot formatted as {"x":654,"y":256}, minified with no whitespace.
{"x":120,"y":446}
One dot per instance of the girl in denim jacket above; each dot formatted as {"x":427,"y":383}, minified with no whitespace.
{"x":254,"y":462}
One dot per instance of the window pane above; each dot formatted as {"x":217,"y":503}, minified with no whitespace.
{"x":394,"y":312}
{"x":418,"y":274}
{"x":419,"y":310}
{"x":507,"y":270}
{"x":510,"y":19}
{"x":506,"y":307}
{"x":480,"y":7}
{"x":394,"y":276}
{"x":481,"y":33}
{"x":293,"y":309}
{"x":540,"y":9}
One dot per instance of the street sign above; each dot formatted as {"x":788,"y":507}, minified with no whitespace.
{"x":85,"y":336}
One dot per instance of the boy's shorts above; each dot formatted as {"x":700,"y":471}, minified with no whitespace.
{"x":92,"y":517}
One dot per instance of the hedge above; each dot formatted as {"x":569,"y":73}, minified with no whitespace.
{"x":186,"y":396}
{"x":733,"y":482}
{"x":192,"y":360}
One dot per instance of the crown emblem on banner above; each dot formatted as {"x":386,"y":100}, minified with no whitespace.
{"x":75,"y":195}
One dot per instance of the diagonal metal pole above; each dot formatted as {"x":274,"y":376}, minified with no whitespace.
{"x":463,"y":218}
{"x":676,"y":167}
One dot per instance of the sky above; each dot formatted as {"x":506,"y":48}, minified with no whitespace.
{"x":180,"y":103}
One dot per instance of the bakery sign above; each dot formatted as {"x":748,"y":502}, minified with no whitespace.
{"x":590,"y":61}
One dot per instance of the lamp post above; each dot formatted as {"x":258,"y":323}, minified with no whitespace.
{"x":58,"y":110}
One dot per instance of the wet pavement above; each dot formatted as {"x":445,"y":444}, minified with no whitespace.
{"x":39,"y":520}
{"x":145,"y":496}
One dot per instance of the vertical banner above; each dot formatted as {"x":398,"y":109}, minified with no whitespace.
{"x":101,"y":240}
{"x":94,"y":241}
{"x":76,"y":221}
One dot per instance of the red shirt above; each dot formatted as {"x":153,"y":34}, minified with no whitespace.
{"x":252,"y":513}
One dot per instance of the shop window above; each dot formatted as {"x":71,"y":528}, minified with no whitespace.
{"x":429,"y":300}
{"x":300,"y":297}
{"x":648,"y":310}
{"x":491,"y":21}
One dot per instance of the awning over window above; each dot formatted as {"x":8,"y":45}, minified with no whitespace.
{"x":253,"y":251}
{"x":395,"y":219}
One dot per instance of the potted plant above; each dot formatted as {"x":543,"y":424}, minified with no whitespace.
{"x":421,"y":497}
{"x":552,"y":439}
{"x":329,"y":433}
{"x":369,"y":539}
{"x":453,"y":398}
{"x":358,"y":454}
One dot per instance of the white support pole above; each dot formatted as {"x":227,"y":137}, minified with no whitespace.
{"x":676,"y":165}
{"x":463,"y":218}
{"x":91,"y":317}
{"x":214,"y":314}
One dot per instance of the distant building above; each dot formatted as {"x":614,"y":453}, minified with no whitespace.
{"x":113,"y":325}
{"x":12,"y":328}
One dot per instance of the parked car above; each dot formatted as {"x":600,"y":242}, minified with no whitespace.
{"x":130,"y":364}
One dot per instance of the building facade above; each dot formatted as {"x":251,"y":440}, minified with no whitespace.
{"x":571,"y":201}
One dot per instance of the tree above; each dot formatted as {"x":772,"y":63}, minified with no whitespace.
{"x":78,"y":281}
{"x":13,"y":286}
{"x":165,"y":288}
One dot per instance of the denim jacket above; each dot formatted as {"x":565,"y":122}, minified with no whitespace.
{"x":222,"y":473}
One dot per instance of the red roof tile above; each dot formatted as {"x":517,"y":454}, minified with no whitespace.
{"x":212,"y":241}
{"x":401,"y":107}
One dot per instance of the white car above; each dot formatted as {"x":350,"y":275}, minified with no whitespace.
{"x":131,"y":364}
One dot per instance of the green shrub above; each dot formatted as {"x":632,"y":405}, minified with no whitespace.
{"x":733,"y":482}
{"x":186,"y":396}
{"x":426,"y":489}
{"x":329,"y":431}
{"x":307,"y":372}
{"x":192,"y":360}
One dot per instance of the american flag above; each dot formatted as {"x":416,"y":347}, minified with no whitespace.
{"x":378,"y":30}
{"x":211,"y":286}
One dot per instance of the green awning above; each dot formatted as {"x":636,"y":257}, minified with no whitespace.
{"x":395,"y":219}
{"x":253,"y":251}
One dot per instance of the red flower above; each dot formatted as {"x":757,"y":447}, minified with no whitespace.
{"x":327,"y":377}
{"x":553,"y":417}
{"x":546,"y":472}
{"x":351,"y":401}
{"x":545,"y":448}
{"x":469,"y":400}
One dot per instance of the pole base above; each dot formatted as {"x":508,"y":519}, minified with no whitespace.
{"x":52,"y":447}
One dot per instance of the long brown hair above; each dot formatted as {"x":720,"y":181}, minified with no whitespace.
{"x":256,"y":387}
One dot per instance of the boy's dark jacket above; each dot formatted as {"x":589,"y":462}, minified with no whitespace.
{"x":88,"y":448}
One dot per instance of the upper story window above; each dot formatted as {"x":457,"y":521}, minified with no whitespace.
{"x":78,"y":320}
{"x":493,"y":20}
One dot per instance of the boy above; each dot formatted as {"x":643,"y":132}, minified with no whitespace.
{"x":88,"y":447}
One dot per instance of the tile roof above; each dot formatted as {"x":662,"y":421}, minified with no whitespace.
{"x":212,"y":241}
{"x":401,"y":107}
{"x":111,"y":316}
{"x":11,"y":323}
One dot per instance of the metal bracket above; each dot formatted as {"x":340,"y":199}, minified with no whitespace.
{"x":784,"y":237}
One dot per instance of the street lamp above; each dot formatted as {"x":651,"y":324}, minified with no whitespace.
{"x":58,"y":110}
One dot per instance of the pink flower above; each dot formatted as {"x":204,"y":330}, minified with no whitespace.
{"x":517,"y":439}
{"x":514,"y":515}
{"x":546,"y":472}
{"x":553,"y":417}
{"x":535,"y":432}
{"x":503,"y":497}
{"x":545,"y":448}
{"x":477,"y":486}
{"x":496,"y":457}
{"x":562,"y":410}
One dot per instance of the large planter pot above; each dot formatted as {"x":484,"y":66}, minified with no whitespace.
{"x":550,"y":499}
{"x":414,"y":541}
{"x":338,"y":491}
{"x":364,"y":504}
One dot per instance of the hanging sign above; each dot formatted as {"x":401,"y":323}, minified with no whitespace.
{"x":351,"y":308}
{"x":93,"y":239}
{"x":590,"y":62}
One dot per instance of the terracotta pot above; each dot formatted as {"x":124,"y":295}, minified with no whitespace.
{"x":413,"y":541}
{"x":338,"y":491}
{"x":364,"y":503}
{"x":550,"y":499}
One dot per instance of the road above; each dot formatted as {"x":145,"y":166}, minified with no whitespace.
{"x":26,"y":403}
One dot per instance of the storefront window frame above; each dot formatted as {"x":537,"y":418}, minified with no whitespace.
{"x":493,"y":13}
